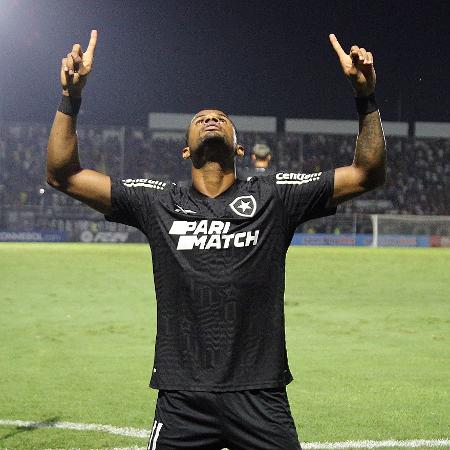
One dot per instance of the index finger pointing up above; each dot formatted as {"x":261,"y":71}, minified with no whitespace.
{"x":92,"y":42}
{"x":337,"y":47}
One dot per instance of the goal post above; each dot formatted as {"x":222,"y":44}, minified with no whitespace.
{"x":390,"y":230}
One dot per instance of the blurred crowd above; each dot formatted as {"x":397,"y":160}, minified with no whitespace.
{"x":417,"y":182}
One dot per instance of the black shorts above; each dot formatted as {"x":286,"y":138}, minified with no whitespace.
{"x":241,"y":420}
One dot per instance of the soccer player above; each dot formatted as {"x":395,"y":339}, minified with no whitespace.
{"x":219,"y":249}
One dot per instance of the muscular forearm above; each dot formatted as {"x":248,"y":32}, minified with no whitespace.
{"x":370,"y":152}
{"x":62,"y":159}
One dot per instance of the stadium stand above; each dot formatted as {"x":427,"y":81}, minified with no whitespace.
{"x":417,"y":183}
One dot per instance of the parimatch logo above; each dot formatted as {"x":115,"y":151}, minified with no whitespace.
{"x":210,"y":234}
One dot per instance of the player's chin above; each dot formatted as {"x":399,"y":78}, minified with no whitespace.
{"x":213,"y":137}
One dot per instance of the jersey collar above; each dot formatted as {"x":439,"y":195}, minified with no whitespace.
{"x":230,"y":192}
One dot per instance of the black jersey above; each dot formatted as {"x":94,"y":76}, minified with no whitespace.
{"x":249,"y":172}
{"x":219,"y":270}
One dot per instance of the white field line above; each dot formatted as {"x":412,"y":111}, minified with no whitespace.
{"x":127,"y":431}
{"x":352,"y":444}
{"x":141,"y":433}
{"x":413,"y":443}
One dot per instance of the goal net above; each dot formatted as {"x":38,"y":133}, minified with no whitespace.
{"x":391,"y":230}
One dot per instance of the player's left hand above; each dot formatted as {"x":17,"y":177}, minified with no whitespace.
{"x":77,"y":66}
{"x":357,"y":67}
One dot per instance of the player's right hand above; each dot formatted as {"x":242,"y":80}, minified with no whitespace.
{"x":76,"y":66}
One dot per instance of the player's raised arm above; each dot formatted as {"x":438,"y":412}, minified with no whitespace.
{"x":368,"y":169}
{"x":64,"y":171}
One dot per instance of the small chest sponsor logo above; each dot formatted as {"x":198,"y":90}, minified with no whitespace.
{"x":210,"y":234}
{"x":297,"y":178}
{"x":244,"y":206}
{"x":144,"y":182}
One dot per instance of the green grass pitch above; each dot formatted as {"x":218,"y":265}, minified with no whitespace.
{"x":367,"y":331}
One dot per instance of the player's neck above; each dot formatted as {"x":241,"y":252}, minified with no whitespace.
{"x":212,"y":180}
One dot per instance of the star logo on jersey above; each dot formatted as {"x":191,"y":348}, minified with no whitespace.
{"x":244,"y":206}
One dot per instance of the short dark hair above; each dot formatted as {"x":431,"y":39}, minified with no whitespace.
{"x":186,"y":136}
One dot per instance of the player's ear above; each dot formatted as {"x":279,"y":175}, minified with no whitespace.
{"x":253,"y":158}
{"x":239,"y":151}
{"x":186,"y":153}
{"x":269,"y":157}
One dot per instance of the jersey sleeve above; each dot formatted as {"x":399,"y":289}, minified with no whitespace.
{"x":306,"y":196}
{"x":131,"y":201}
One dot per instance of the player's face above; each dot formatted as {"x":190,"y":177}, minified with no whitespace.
{"x":211,"y":126}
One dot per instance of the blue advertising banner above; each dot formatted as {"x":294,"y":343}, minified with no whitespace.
{"x":324,"y":239}
{"x":398,"y":240}
{"x":345,"y":240}
{"x":32,"y":236}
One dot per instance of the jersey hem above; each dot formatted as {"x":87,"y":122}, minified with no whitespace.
{"x":242,"y":387}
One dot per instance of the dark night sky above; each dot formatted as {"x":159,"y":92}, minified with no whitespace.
{"x":245,"y":57}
